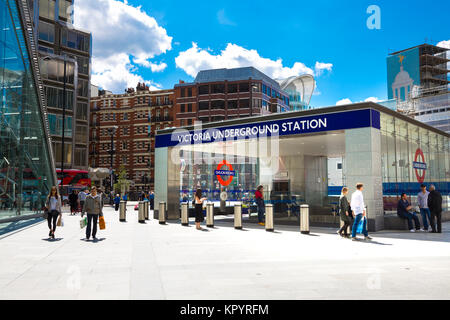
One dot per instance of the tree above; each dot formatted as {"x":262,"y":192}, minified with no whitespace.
{"x":122,"y":185}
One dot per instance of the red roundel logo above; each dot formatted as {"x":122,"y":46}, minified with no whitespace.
{"x":420,"y":166}
{"x":221,"y":172}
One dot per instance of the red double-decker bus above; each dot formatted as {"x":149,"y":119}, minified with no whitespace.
{"x":73,"y":180}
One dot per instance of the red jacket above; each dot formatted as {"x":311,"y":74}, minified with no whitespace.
{"x":258,"y":195}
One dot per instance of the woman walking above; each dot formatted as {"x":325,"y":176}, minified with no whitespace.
{"x":260,"y":203}
{"x":53,"y":206}
{"x":73,"y":201}
{"x":93,"y":206}
{"x":345,"y":213}
{"x":199,"y":208}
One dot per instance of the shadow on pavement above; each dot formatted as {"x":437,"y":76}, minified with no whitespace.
{"x":53,"y":240}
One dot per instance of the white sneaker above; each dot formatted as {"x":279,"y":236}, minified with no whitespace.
{"x":412,"y":230}
{"x":421,"y":230}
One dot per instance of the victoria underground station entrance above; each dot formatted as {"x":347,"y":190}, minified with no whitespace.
{"x":300,"y":158}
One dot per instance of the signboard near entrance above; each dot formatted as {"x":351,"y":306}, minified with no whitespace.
{"x":284,"y":127}
{"x":419,"y":165}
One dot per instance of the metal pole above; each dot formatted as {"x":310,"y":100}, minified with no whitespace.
{"x":146,"y":207}
{"x":123,"y":210}
{"x":162,"y":213}
{"x":63,"y":126}
{"x":304,"y":219}
{"x":269,"y":217}
{"x":210,"y":215}
{"x":238,"y":216}
{"x":112,"y":159}
{"x":185,"y":214}
{"x":141,"y":212}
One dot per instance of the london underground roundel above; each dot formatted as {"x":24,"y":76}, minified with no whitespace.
{"x":220,"y":172}
{"x":419,"y":165}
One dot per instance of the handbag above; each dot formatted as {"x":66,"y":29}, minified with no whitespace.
{"x":83,"y":223}
{"x":359,"y":228}
{"x":101,"y":223}
{"x":60,"y":222}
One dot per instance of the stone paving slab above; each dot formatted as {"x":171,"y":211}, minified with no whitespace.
{"x":149,"y":261}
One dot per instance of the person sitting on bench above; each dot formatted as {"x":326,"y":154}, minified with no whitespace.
{"x":404,"y":211}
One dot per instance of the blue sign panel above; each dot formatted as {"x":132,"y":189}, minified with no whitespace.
{"x":285,"y":127}
{"x":403,"y":71}
{"x":419,"y":165}
{"x":225,"y":173}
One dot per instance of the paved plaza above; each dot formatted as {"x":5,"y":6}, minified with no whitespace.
{"x":150,"y":261}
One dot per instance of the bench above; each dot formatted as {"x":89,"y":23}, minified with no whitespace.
{"x":394,"y":222}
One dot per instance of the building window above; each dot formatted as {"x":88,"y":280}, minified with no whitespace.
{"x":182,"y":109}
{"x":190,"y":107}
{"x":46,"y":32}
{"x":82,"y":111}
{"x":183,"y":92}
{"x":47,"y":9}
{"x":203,"y":89}
{"x":232,"y":88}
{"x":189,"y":92}
{"x":244,"y":87}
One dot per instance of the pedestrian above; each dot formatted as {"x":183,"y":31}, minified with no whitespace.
{"x":198,"y":201}
{"x":435,"y":205}
{"x":422,"y":199}
{"x":359,"y":212}
{"x":404,"y":211}
{"x":117,"y":202}
{"x":152,"y":200}
{"x":73,"y":202}
{"x":345,"y":213}
{"x":93,"y":206}
{"x":259,"y":195}
{"x":125,"y":197}
{"x":53,"y":206}
{"x":82,"y":197}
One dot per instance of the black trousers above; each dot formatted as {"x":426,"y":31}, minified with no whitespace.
{"x":91,"y":224}
{"x":117,"y":206}
{"x":52,"y":219}
{"x":436,"y":216}
{"x":347,"y":224}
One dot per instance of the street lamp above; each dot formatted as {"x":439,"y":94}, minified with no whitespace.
{"x":112,"y":131}
{"x":48,"y":58}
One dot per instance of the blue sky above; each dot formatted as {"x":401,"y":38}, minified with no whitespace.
{"x":334,"y":33}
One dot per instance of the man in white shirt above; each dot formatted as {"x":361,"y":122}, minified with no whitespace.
{"x":359,"y":212}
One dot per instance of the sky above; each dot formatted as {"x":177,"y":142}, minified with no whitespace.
{"x":344,"y":44}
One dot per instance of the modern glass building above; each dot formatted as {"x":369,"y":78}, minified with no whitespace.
{"x":291,"y":155}
{"x":300,"y":90}
{"x":26,"y":163}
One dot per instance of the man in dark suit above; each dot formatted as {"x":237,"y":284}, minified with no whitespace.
{"x":435,"y":205}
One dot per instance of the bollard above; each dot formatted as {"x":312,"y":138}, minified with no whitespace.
{"x":304,"y":219}
{"x":210,"y":215}
{"x":185,"y":214}
{"x":269,"y":217}
{"x":162,"y":213}
{"x":123,"y":211}
{"x":141,"y":216}
{"x":146,"y":210}
{"x":238,"y":216}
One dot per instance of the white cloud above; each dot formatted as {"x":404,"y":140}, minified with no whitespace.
{"x":223,"y":19}
{"x":320,"y":67}
{"x":348,"y":101}
{"x":196,"y":59}
{"x":344,"y":102}
{"x":445,"y":44}
{"x":124,"y":37}
{"x":372,"y":99}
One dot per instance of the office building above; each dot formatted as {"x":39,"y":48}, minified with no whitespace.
{"x":137,"y":115}
{"x":65,"y":50}
{"x":418,"y":83}
{"x":224,"y":94}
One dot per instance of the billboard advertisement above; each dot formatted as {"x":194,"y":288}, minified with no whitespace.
{"x":403,"y":72}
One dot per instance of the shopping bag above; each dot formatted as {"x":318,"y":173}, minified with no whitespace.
{"x":101,"y":223}
{"x":83,"y":223}
{"x":359,"y":228}
{"x":136,"y":207}
{"x":60,"y":222}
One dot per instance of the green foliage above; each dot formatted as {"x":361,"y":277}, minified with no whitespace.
{"x":122,"y":181}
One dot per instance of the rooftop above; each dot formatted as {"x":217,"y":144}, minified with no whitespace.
{"x":237,"y":74}
{"x":434,"y":49}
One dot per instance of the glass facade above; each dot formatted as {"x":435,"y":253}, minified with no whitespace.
{"x":403,"y":146}
{"x":26,"y":173}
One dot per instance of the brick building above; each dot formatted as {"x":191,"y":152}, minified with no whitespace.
{"x":138,"y":113}
{"x":224,"y":94}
